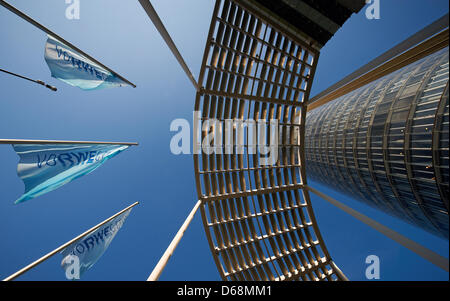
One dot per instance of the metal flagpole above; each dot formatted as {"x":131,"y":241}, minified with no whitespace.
{"x":165,"y":35}
{"x":23,"y":141}
{"x":154,"y":276}
{"x":31,"y":80}
{"x":423,"y":252}
{"x":49,"y":32}
{"x":43,"y":258}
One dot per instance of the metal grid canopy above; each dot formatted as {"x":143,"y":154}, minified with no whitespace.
{"x":258,"y":219}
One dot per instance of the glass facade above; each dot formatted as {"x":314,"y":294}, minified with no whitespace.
{"x":387,"y":143}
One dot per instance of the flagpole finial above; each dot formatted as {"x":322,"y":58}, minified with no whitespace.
{"x":54,"y":36}
{"x":67,"y":244}
{"x":38,"y":81}
{"x":46,"y":85}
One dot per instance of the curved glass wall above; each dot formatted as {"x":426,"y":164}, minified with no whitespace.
{"x":387,"y":143}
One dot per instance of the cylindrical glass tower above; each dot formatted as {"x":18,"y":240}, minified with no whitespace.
{"x":387,"y":143}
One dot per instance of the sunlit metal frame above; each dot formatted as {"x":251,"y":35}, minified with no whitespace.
{"x":258,"y":219}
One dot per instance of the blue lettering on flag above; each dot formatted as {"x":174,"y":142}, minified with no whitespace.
{"x":46,"y":167}
{"x":93,"y":245}
{"x":73,"y":68}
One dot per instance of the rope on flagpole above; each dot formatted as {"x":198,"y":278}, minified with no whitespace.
{"x":51,"y":33}
{"x":30,"y":79}
{"x":26,"y":141}
{"x":59,"y":249}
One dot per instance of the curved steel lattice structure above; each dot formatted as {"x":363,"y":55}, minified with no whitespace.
{"x":386,"y":143}
{"x":258,"y":219}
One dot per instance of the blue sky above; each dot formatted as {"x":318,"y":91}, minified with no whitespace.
{"x":119,"y":34}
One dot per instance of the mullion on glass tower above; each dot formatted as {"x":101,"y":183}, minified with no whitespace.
{"x":389,"y":143}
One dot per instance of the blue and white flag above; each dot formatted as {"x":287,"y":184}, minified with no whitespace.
{"x":81,"y":255}
{"x":45,"y":167}
{"x":73,"y":68}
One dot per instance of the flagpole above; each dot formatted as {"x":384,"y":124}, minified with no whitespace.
{"x":154,"y":276}
{"x":420,"y":250}
{"x":24,"y":141}
{"x":49,"y":32}
{"x":30,"y":79}
{"x":147,"y":6}
{"x":43,"y":258}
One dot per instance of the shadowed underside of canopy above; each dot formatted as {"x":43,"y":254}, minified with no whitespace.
{"x":258,"y":218}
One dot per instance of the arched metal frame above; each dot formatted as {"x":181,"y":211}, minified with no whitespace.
{"x":258,"y":219}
